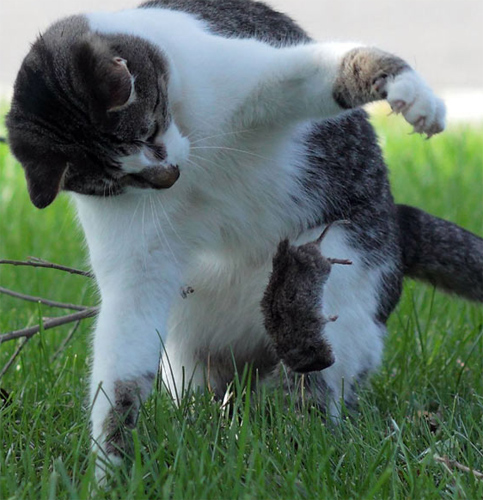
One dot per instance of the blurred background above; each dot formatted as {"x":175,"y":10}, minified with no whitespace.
{"x":443,"y":39}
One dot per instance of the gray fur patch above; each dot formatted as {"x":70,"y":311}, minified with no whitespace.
{"x":441,"y":253}
{"x":345,"y":178}
{"x":128,"y":396}
{"x":359,"y":72}
{"x":241,"y":19}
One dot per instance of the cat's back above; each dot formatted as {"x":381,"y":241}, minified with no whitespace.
{"x":240,"y":19}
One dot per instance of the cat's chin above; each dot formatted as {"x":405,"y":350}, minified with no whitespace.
{"x":152,"y":178}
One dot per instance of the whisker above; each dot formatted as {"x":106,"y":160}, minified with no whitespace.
{"x":160,"y":232}
{"x":134,"y":213}
{"x":143,"y":234}
{"x":194,"y":163}
{"x":160,"y":202}
{"x":198,"y":117}
{"x":202,"y":159}
{"x":223,"y":135}
{"x":221,"y":148}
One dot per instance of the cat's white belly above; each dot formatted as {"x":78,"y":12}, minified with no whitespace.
{"x":222,"y":315}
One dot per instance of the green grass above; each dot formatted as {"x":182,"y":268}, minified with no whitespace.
{"x":427,"y":399}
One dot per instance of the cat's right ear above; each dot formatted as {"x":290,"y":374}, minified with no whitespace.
{"x":44,"y":169}
{"x":106,"y":77}
{"x":44,"y":180}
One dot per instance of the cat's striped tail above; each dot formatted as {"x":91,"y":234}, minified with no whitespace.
{"x":441,"y":253}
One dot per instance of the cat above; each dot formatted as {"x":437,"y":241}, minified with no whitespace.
{"x":212,"y":153}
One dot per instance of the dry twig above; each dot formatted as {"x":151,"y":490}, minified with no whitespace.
{"x":88,"y":312}
{"x":41,"y":300}
{"x":82,"y":312}
{"x":453,"y":464}
{"x":36,"y":262}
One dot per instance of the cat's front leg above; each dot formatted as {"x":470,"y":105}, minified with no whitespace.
{"x":324,"y":79}
{"x":138,"y":265}
{"x":128,"y":344}
{"x":367,"y":74}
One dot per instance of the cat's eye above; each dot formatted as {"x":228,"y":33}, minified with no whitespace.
{"x":154,"y":133}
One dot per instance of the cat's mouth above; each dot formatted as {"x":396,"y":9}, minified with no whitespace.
{"x":159,"y":177}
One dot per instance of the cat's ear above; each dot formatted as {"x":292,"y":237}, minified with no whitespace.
{"x":121,"y":83}
{"x":105,"y":75}
{"x":44,"y":180}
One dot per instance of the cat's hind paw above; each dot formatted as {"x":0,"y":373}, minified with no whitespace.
{"x":408,"y":94}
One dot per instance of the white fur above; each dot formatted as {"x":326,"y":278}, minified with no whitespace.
{"x":243,"y":106}
{"x":410,"y":95}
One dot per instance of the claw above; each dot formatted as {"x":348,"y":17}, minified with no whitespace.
{"x":398,"y":106}
{"x":419,"y":125}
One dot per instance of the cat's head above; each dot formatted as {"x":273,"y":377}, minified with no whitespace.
{"x":90,"y":114}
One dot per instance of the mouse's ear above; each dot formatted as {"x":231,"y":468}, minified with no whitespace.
{"x":44,"y":179}
{"x":105,"y":75}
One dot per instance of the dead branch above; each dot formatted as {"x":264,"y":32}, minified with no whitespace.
{"x":48,"y":324}
{"x":453,"y":464}
{"x":82,"y":312}
{"x":36,"y":262}
{"x":41,"y":300}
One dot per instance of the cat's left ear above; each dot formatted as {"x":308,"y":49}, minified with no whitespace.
{"x":106,"y":77}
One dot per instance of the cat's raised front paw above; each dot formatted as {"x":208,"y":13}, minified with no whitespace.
{"x":409,"y":94}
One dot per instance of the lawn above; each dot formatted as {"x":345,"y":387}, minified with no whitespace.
{"x":427,"y":401}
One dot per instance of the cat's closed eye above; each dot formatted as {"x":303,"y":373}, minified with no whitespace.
{"x":154,"y":133}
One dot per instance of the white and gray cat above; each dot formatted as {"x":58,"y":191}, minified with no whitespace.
{"x":204,"y":148}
